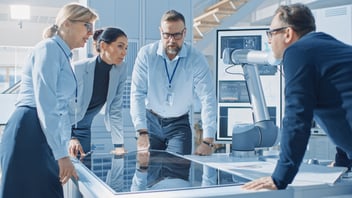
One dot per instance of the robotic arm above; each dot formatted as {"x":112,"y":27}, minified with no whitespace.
{"x":264,"y":132}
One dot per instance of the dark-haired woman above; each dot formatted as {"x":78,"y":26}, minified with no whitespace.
{"x":101,"y":80}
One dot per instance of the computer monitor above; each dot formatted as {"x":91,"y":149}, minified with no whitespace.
{"x":233,"y":91}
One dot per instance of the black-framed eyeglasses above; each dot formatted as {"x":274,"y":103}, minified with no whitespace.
{"x":176,"y":36}
{"x":269,"y":33}
{"x":89,"y":26}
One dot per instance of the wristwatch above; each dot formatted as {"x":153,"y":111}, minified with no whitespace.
{"x":208,"y":143}
{"x":142,"y":168}
{"x":141,"y":132}
{"x":118,"y":145}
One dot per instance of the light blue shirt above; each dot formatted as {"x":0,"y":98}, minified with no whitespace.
{"x":84,"y":70}
{"x":150,"y":86}
{"x":48,"y":83}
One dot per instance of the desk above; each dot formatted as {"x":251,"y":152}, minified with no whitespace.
{"x":172,"y":175}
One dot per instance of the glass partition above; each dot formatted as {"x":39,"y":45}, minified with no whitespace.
{"x":12,"y":59}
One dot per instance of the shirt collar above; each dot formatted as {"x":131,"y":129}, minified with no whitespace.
{"x":63,"y":45}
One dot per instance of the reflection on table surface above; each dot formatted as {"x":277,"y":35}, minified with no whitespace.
{"x":155,"y":170}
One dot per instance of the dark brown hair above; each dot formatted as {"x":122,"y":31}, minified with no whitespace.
{"x":173,"y":15}
{"x":108,"y":35}
{"x":298,"y":16}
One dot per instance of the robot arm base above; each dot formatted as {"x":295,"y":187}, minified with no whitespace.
{"x":249,"y":137}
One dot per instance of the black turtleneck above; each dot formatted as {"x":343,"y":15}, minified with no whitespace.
{"x":100,"y":84}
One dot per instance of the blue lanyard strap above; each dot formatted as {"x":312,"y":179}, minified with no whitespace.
{"x":173,"y":72}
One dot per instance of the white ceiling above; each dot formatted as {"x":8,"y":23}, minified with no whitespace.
{"x":43,"y":13}
{"x":42,"y":3}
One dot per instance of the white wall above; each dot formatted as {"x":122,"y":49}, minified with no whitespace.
{"x":336,"y":21}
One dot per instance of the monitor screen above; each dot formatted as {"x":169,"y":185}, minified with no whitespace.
{"x":241,"y":42}
{"x":233,"y":91}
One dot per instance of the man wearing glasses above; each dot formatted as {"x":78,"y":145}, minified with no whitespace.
{"x":318,"y":70}
{"x":165,"y":77}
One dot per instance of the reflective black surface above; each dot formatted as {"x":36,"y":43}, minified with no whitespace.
{"x":156,"y":170}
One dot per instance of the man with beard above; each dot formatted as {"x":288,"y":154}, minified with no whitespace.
{"x":165,"y":77}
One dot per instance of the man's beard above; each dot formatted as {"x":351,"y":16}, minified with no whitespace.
{"x":172,"y":51}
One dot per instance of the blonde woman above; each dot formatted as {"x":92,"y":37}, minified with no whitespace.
{"x":34,"y":147}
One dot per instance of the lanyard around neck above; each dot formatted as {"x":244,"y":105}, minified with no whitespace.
{"x":173,"y":72}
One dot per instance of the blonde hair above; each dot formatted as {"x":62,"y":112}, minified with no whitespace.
{"x":71,"y":11}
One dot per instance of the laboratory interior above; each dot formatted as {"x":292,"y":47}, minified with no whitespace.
{"x":250,"y":88}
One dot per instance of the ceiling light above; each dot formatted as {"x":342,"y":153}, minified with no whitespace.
{"x":20,"y":12}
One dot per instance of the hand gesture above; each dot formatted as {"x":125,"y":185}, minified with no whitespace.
{"x":261,"y":183}
{"x":205,"y":148}
{"x":76,"y":148}
{"x":143,"y":142}
{"x":67,"y":170}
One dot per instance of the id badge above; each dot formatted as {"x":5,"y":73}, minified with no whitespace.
{"x":170,"y":98}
